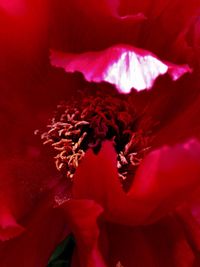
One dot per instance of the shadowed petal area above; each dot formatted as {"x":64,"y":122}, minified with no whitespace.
{"x":105,"y":8}
{"x":166,"y":20}
{"x":162,"y":244}
{"x":30,"y":226}
{"x":187,"y":44}
{"x":23,"y":46}
{"x":46,"y":228}
{"x":82,"y":218}
{"x":85,"y":25}
{"x":190,"y":224}
{"x":9,"y":228}
{"x":123,"y":66}
{"x":167,"y":177}
{"x":101,"y":24}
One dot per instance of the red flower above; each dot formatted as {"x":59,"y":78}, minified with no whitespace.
{"x":126,"y":44}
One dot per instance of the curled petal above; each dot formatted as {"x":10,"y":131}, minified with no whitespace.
{"x":121,"y":65}
{"x":9,"y":228}
{"x":35,"y":245}
{"x":177,"y":71}
{"x":82,"y":218}
{"x":166,"y":178}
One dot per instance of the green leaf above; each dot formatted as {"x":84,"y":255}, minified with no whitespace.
{"x":62,"y":255}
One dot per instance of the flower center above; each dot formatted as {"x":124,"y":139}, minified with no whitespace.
{"x":85,"y":123}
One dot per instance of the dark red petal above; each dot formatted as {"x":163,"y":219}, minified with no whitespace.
{"x":9,"y":228}
{"x":162,"y":244}
{"x":163,"y":25}
{"x":190,"y":224}
{"x":185,"y":124}
{"x":85,"y":25}
{"x":23,"y":184}
{"x":45,"y":229}
{"x":187,"y":44}
{"x":104,"y":8}
{"x":27,"y":177}
{"x":166,"y":177}
{"x":23,"y":46}
{"x":124,"y":66}
{"x":82,"y":218}
{"x":96,"y":26}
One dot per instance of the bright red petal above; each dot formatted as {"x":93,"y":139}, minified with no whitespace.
{"x":123,"y":66}
{"x":13,"y":7}
{"x":166,"y":177}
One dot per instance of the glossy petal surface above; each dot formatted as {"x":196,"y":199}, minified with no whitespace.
{"x":123,"y":66}
{"x":91,"y":32}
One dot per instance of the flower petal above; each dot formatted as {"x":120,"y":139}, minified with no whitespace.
{"x":162,"y":244}
{"x":9,"y":228}
{"x":34,"y":247}
{"x":187,"y":44}
{"x":27,"y":185}
{"x":191,"y":226}
{"x":163,"y":25}
{"x":166,"y":178}
{"x":104,"y":8}
{"x":96,"y":26}
{"x":23,"y":46}
{"x":82,"y":218}
{"x":123,"y":66}
{"x":13,"y":7}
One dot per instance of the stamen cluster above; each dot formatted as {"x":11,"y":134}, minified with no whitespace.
{"x":86,"y":123}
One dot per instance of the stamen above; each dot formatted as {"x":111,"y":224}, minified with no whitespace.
{"x":80,"y":125}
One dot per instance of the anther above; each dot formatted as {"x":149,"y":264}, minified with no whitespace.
{"x":80,"y":125}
